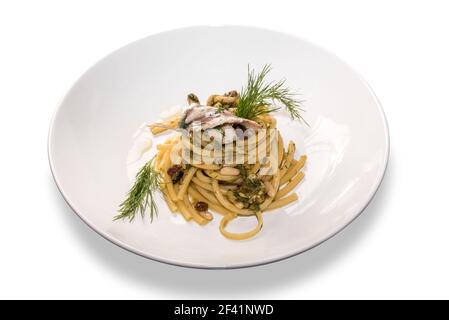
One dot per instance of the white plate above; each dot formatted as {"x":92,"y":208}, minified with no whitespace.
{"x":92,"y":131}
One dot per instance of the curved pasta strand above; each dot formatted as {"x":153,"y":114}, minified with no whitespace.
{"x":290,"y":186}
{"x":240,"y":236}
{"x":226,"y":203}
{"x":171,"y":204}
{"x":185,"y":182}
{"x":294,"y":169}
{"x":198,"y":219}
{"x":215,"y":207}
{"x":280,"y":148}
{"x":217,"y":176}
{"x":275,"y":184}
{"x":200,"y":175}
{"x":282,"y":202}
{"x":204,"y":166}
{"x":208,"y":195}
{"x":169,"y":186}
{"x":207,"y":186}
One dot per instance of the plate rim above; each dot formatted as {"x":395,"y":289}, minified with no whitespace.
{"x":174,"y":262}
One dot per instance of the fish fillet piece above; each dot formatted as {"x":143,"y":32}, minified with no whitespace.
{"x":209,"y":117}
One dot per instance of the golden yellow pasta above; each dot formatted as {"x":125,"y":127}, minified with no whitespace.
{"x":290,"y":186}
{"x":204,"y":185}
{"x":184,"y":211}
{"x":171,"y":204}
{"x":195,"y":215}
{"x":282,"y":202}
{"x":280,"y":148}
{"x":239,"y":168}
{"x":206,"y":166}
{"x":163,"y":126}
{"x":226,"y":203}
{"x":200,"y":175}
{"x":216,"y":207}
{"x":240,"y":236}
{"x":222,"y":188}
{"x":293,"y":169}
{"x":210,"y":197}
{"x":185,"y":183}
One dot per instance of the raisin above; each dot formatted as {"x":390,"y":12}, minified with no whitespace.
{"x":176,"y":173}
{"x":201,"y":206}
{"x":173,"y":169}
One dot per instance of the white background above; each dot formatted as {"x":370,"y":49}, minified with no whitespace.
{"x":398,"y":248}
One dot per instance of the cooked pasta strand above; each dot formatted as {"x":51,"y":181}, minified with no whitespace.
{"x":204,"y":166}
{"x":200,"y":175}
{"x":171,"y":204}
{"x":195,"y":215}
{"x":255,"y":168}
{"x":282,"y":202}
{"x":294,"y":169}
{"x":184,"y":211}
{"x":169,"y":186}
{"x":240,"y":236}
{"x":290,"y":153}
{"x":185,"y":182}
{"x":209,"y":196}
{"x":280,"y":148}
{"x":204,"y":185}
{"x":290,"y":186}
{"x":217,"y":176}
{"x":226,"y":203}
{"x":157,"y":128}
{"x":275,"y":184}
{"x":215,"y":207}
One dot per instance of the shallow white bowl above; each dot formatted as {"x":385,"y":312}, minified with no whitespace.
{"x":91,"y":133}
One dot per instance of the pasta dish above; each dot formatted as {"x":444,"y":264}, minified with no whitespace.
{"x":223,"y":159}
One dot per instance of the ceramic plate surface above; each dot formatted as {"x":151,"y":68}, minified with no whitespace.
{"x":92,"y":132}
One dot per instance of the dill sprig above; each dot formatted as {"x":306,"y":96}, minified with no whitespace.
{"x":258,"y":96}
{"x":141,"y":195}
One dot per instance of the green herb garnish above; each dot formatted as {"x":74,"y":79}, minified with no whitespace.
{"x":141,"y":195}
{"x":251,"y":193}
{"x":258,"y":96}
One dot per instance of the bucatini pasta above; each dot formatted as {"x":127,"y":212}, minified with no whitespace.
{"x":227,"y":157}
{"x":218,"y":185}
